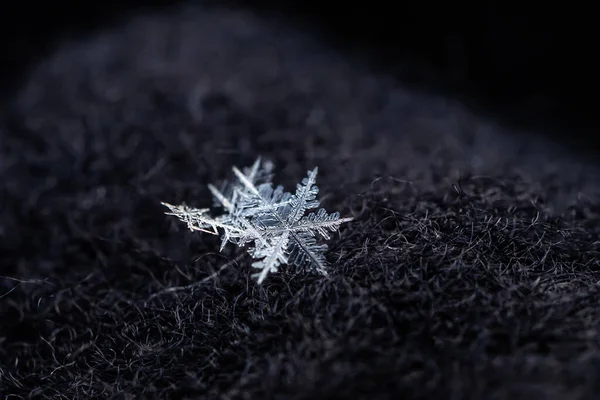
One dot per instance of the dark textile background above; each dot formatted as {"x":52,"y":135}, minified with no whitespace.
{"x":462,"y":141}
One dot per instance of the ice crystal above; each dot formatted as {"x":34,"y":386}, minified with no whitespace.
{"x":271,"y":222}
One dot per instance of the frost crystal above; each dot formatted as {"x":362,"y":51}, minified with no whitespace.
{"x":271,"y":221}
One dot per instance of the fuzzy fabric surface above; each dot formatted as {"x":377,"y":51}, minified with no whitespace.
{"x":471,"y":269}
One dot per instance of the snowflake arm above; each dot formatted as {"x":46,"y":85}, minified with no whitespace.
{"x":196,"y":219}
{"x":272,"y":257}
{"x":304,"y":198}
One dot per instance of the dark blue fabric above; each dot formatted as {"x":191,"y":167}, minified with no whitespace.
{"x":469,"y":272}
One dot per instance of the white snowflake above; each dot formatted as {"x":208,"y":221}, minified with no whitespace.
{"x":271,"y":221}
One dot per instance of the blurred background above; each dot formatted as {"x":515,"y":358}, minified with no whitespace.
{"x":529,"y":65}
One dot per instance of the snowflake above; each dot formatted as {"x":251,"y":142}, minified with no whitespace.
{"x":270,"y":221}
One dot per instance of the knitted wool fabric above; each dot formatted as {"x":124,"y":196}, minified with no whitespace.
{"x":470,"y":268}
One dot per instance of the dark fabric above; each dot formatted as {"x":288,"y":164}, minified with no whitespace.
{"x":470,"y":272}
